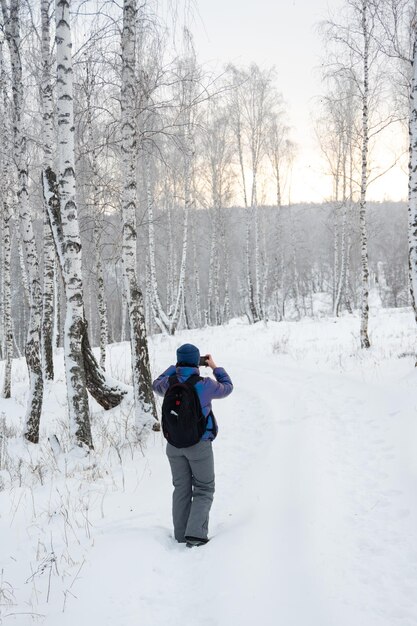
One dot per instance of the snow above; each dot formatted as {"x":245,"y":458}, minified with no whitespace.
{"x":314,"y":517}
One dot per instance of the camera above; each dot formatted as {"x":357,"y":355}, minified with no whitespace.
{"x":203,"y":361}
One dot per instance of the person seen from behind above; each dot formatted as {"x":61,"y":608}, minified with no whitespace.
{"x":189,"y":425}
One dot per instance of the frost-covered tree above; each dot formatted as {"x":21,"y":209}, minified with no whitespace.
{"x":11,"y":19}
{"x":48,"y":244}
{"x":252,"y":105}
{"x":81,"y":368}
{"x":141,"y":376}
{"x":216,"y":156}
{"x":337,"y":134}
{"x":356,"y":54}
{"x":5,"y":210}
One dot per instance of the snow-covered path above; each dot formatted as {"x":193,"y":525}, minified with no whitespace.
{"x":315,"y":514}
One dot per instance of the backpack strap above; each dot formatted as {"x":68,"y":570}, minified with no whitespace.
{"x":193,"y":379}
{"x":172,"y":380}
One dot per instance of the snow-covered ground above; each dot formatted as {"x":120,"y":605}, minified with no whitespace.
{"x":315,"y":513}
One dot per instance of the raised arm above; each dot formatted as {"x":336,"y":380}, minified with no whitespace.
{"x":160,"y":384}
{"x":222,"y":386}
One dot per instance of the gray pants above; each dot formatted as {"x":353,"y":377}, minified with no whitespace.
{"x":193,"y":479}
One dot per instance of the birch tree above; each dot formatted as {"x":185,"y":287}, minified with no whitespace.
{"x":236,"y":104}
{"x":359,"y":58}
{"x":142,"y":383}
{"x":252,"y":104}
{"x":48,"y":244}
{"x":32,"y":350}
{"x":337,"y":135}
{"x":216,"y":156}
{"x":70,"y":248}
{"x":96,"y":203}
{"x":185,"y":84}
{"x":81,"y":368}
{"x":187,"y":71}
{"x":412,"y":176}
{"x":366,"y":35}
{"x":398,"y":21}
{"x":280,"y":151}
{"x":5,"y":208}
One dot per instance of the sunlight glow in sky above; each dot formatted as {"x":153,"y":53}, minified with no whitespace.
{"x":284,"y":33}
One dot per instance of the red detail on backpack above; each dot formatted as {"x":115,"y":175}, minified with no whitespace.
{"x":177,"y":403}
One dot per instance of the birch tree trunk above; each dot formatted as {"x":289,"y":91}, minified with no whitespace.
{"x":412,"y":181}
{"x":101,"y":296}
{"x":141,"y":376}
{"x":365,"y":343}
{"x":48,"y":244}
{"x":257,"y":254}
{"x":341,"y":281}
{"x":6,"y":248}
{"x":188,"y":149}
{"x":71,"y":244}
{"x":168,"y":321}
{"x":98,"y":226}
{"x":57,"y":303}
{"x":32,"y":349}
{"x":161,"y":319}
{"x":81,"y":367}
{"x":21,"y":253}
{"x":227,"y":309}
{"x":196,"y":289}
{"x":213,"y":272}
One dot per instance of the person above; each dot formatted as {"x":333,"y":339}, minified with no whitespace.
{"x":192,"y":468}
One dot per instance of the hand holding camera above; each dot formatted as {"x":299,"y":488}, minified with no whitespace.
{"x":207,"y":361}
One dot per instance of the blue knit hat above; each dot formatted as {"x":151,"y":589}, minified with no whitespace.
{"x":189,"y":354}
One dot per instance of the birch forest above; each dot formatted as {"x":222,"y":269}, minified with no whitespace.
{"x":142,"y":193}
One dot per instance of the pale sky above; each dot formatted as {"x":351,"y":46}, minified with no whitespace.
{"x":283,"y":33}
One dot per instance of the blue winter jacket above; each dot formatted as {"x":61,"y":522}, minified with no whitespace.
{"x":207,"y":389}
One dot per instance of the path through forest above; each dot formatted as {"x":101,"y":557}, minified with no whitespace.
{"x":314,"y":516}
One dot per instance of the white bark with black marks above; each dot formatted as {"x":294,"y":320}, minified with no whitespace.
{"x":11,"y":20}
{"x":141,"y":377}
{"x":70,"y":252}
{"x":412,"y":180}
{"x":6,"y":248}
{"x":364,"y":338}
{"x":188,"y":154}
{"x":98,"y":214}
{"x":48,"y":243}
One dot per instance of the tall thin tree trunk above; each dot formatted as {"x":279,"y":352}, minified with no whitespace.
{"x":142,"y":383}
{"x":57,"y":305}
{"x":21,"y":254}
{"x":365,"y":343}
{"x":257,"y":251}
{"x":6,"y":248}
{"x":296,"y":282}
{"x":188,"y":155}
{"x":32,"y":350}
{"x":71,"y":242}
{"x":196,"y":289}
{"x":123,"y":333}
{"x":98,"y":227}
{"x":161,"y":319}
{"x":412,"y":182}
{"x":241,"y":163}
{"x":227,"y":313}
{"x":101,"y":295}
{"x":48,"y":244}
{"x":212,"y":270}
{"x":341,"y":279}
{"x":7,"y":297}
{"x":171,"y":262}
{"x":335,"y":253}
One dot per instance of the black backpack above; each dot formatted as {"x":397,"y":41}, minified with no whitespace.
{"x":183,"y":421}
